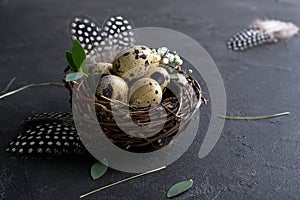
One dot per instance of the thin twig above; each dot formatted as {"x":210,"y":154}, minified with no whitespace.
{"x":254,"y":118}
{"x":8,"y":85}
{"x":124,"y":180}
{"x":31,"y":85}
{"x":115,"y":101}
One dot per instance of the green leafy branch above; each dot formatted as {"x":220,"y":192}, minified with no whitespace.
{"x":77,"y":61}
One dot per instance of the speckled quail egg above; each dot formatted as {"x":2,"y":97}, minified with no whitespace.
{"x":112,"y":87}
{"x":132,"y":63}
{"x":145,"y":92}
{"x":101,"y":68}
{"x":159,"y":74}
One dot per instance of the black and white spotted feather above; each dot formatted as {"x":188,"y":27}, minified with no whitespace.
{"x":87,"y":32}
{"x":261,"y":32}
{"x":248,"y":38}
{"x":48,"y":134}
{"x":55,"y":133}
{"x":102,"y":43}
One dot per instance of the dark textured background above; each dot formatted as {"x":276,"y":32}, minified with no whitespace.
{"x":252,"y":160}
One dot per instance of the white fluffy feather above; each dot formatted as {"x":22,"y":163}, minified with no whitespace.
{"x":275,"y":28}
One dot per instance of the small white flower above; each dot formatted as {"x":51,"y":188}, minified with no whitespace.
{"x":164,"y":49}
{"x":177,"y":57}
{"x":190,"y":71}
{"x":161,"y":51}
{"x":165,"y":61}
{"x":154,"y":50}
{"x":170,"y":57}
{"x":179,"y":62}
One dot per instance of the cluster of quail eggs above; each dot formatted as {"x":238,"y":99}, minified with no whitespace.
{"x":136,"y":76}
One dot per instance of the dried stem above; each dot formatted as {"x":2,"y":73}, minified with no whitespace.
{"x":254,"y":118}
{"x":8,"y":85}
{"x":124,"y":180}
{"x":31,"y":85}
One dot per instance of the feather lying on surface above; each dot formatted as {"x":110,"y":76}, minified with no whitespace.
{"x":248,"y":38}
{"x":262,"y":32}
{"x":48,"y":134}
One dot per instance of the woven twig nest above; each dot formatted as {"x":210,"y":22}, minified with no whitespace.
{"x":164,"y":121}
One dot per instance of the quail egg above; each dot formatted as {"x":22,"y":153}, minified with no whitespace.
{"x":112,"y":87}
{"x":101,"y":68}
{"x":132,"y":63}
{"x":159,"y":74}
{"x":145,"y":92}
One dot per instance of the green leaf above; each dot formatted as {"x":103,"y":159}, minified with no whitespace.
{"x":179,"y":188}
{"x":174,"y":76}
{"x":70,"y":61}
{"x":74,"y":76}
{"x":84,"y":68}
{"x":182,"y":79}
{"x":78,"y":54}
{"x":98,"y":169}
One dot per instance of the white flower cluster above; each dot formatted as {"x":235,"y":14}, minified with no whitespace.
{"x":168,"y":57}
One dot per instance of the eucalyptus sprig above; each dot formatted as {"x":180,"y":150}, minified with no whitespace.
{"x":77,"y":61}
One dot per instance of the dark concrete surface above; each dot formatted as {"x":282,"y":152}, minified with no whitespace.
{"x":252,"y":159}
